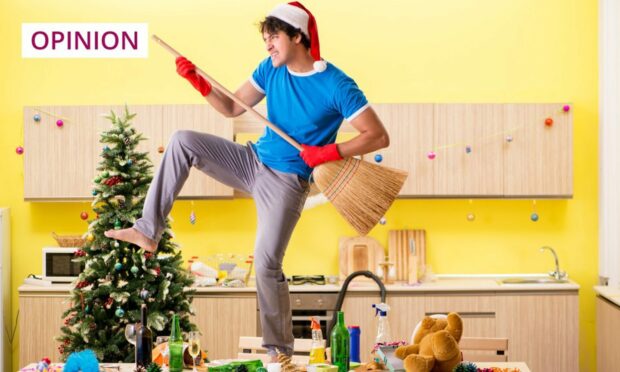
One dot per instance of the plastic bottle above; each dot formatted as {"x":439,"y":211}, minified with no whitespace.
{"x":383,"y":327}
{"x":175,"y":345}
{"x":340,"y":344}
{"x":317,"y":350}
{"x":354,"y":335}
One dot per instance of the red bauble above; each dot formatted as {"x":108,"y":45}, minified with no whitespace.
{"x":84,"y":216}
{"x":148,"y":255}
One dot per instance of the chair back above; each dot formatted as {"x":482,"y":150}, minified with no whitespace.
{"x":252,"y":348}
{"x":484,"y":349}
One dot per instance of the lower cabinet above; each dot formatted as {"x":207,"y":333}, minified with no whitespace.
{"x":542,"y":328}
{"x":220,"y":318}
{"x":607,"y":328}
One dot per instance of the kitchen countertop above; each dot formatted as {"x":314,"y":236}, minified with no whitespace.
{"x":443,"y":283}
{"x":610,"y":293}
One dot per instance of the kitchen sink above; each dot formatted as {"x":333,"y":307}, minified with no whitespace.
{"x":532,"y":281}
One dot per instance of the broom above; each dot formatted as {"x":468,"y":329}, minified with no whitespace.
{"x":360,"y":191}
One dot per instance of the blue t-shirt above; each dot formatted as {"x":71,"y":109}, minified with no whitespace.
{"x":309,"y":107}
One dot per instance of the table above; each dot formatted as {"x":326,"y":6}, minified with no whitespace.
{"x":128,"y":367}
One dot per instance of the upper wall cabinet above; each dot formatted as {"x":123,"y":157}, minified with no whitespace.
{"x":60,"y":162}
{"x":449,"y":150}
{"x":479,"y":150}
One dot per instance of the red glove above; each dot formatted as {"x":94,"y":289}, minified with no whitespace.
{"x":315,"y":155}
{"x":187,"y":69}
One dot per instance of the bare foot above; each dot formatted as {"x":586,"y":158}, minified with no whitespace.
{"x":132,"y":236}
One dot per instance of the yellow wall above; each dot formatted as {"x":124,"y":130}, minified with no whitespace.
{"x":398,"y":51}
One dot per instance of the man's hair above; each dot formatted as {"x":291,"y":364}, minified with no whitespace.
{"x":273,"y":25}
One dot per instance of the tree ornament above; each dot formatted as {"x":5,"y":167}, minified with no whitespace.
{"x":108,"y":303}
{"x":105,"y":174}
{"x":19,"y":150}
{"x":60,"y":123}
{"x":157,"y":271}
{"x":116,"y":244}
{"x":471,"y":217}
{"x":36,"y":118}
{"x":129,"y":162}
{"x":90,"y":237}
{"x":148,"y":255}
{"x":87,"y":309}
{"x":117,"y":224}
{"x":192,"y":218}
{"x":144,"y":294}
{"x":378,"y":158}
{"x":431,"y":155}
{"x":534,"y":217}
{"x":468,"y":149}
{"x":94,"y":192}
{"x":119,"y":312}
{"x":548,"y":122}
{"x":509,"y":138}
{"x":126,"y":140}
{"x":113,"y":180}
{"x":383,"y":220}
{"x":118,"y":266}
{"x":97,"y":179}
{"x":80,"y":253}
{"x":566,"y":108}
{"x":160,"y":149}
{"x":134,"y":269}
{"x":84,"y":216}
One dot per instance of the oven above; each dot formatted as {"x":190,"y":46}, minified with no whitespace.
{"x":304,"y":305}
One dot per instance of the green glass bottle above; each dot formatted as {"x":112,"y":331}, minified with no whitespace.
{"x":175,"y":345}
{"x":340,"y":344}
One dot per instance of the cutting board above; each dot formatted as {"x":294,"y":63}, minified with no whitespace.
{"x":359,"y":253}
{"x":407,"y":251}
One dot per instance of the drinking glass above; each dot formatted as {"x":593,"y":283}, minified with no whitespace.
{"x":194,"y":346}
{"x":130,"y":332}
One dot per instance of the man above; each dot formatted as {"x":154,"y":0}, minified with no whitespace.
{"x":307,"y":98}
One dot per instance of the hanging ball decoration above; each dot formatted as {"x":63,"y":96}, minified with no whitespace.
{"x":534,"y":217}
{"x":509,"y":138}
{"x":383,"y":220}
{"x":471,"y":217}
{"x":19,"y":150}
{"x":129,"y":162}
{"x":119,"y":312}
{"x":118,"y":266}
{"x":378,"y":158}
{"x":134,"y":269}
{"x":127,"y":140}
{"x":144,"y":294}
{"x":97,"y":179}
{"x":90,"y":237}
{"x":105,"y":174}
{"x":87,"y":309}
{"x":84,"y":216}
{"x":60,"y":123}
{"x":566,"y":108}
{"x":94,"y":192}
{"x":548,"y":122}
{"x":192,"y":218}
{"x":160,"y":149}
{"x":468,"y":149}
{"x":117,"y":225}
{"x":117,"y":244}
{"x":431,"y":155}
{"x":36,"y":118}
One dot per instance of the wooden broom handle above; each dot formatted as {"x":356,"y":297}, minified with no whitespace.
{"x":225,"y":91}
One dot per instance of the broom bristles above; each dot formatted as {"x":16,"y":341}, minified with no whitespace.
{"x":361,"y":191}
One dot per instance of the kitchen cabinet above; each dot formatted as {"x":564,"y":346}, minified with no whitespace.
{"x":60,"y":162}
{"x":222,"y":320}
{"x":542,"y":328}
{"x":607,"y":328}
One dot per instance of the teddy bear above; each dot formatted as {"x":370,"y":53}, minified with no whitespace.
{"x":435,"y":345}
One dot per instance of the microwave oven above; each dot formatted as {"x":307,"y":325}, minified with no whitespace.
{"x":58,"y":265}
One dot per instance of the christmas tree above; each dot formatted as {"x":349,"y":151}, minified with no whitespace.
{"x":119,"y":277}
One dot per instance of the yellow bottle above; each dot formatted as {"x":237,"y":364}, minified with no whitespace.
{"x":317,"y":350}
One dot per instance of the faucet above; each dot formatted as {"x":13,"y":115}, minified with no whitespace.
{"x":557,"y":274}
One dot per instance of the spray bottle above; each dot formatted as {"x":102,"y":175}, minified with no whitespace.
{"x":317,"y":350}
{"x":383,"y":328}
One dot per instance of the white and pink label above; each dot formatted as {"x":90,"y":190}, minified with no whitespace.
{"x":85,"y":40}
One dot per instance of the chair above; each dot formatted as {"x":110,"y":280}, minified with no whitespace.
{"x":484,"y":349}
{"x":251,"y":348}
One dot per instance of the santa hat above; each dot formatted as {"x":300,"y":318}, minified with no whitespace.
{"x":298,"y":16}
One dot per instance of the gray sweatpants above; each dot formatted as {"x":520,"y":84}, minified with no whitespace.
{"x":279,"y":199}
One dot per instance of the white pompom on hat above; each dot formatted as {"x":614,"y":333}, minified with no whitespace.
{"x":298,"y":16}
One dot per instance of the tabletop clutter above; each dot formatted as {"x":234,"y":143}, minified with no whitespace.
{"x":434,"y":348}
